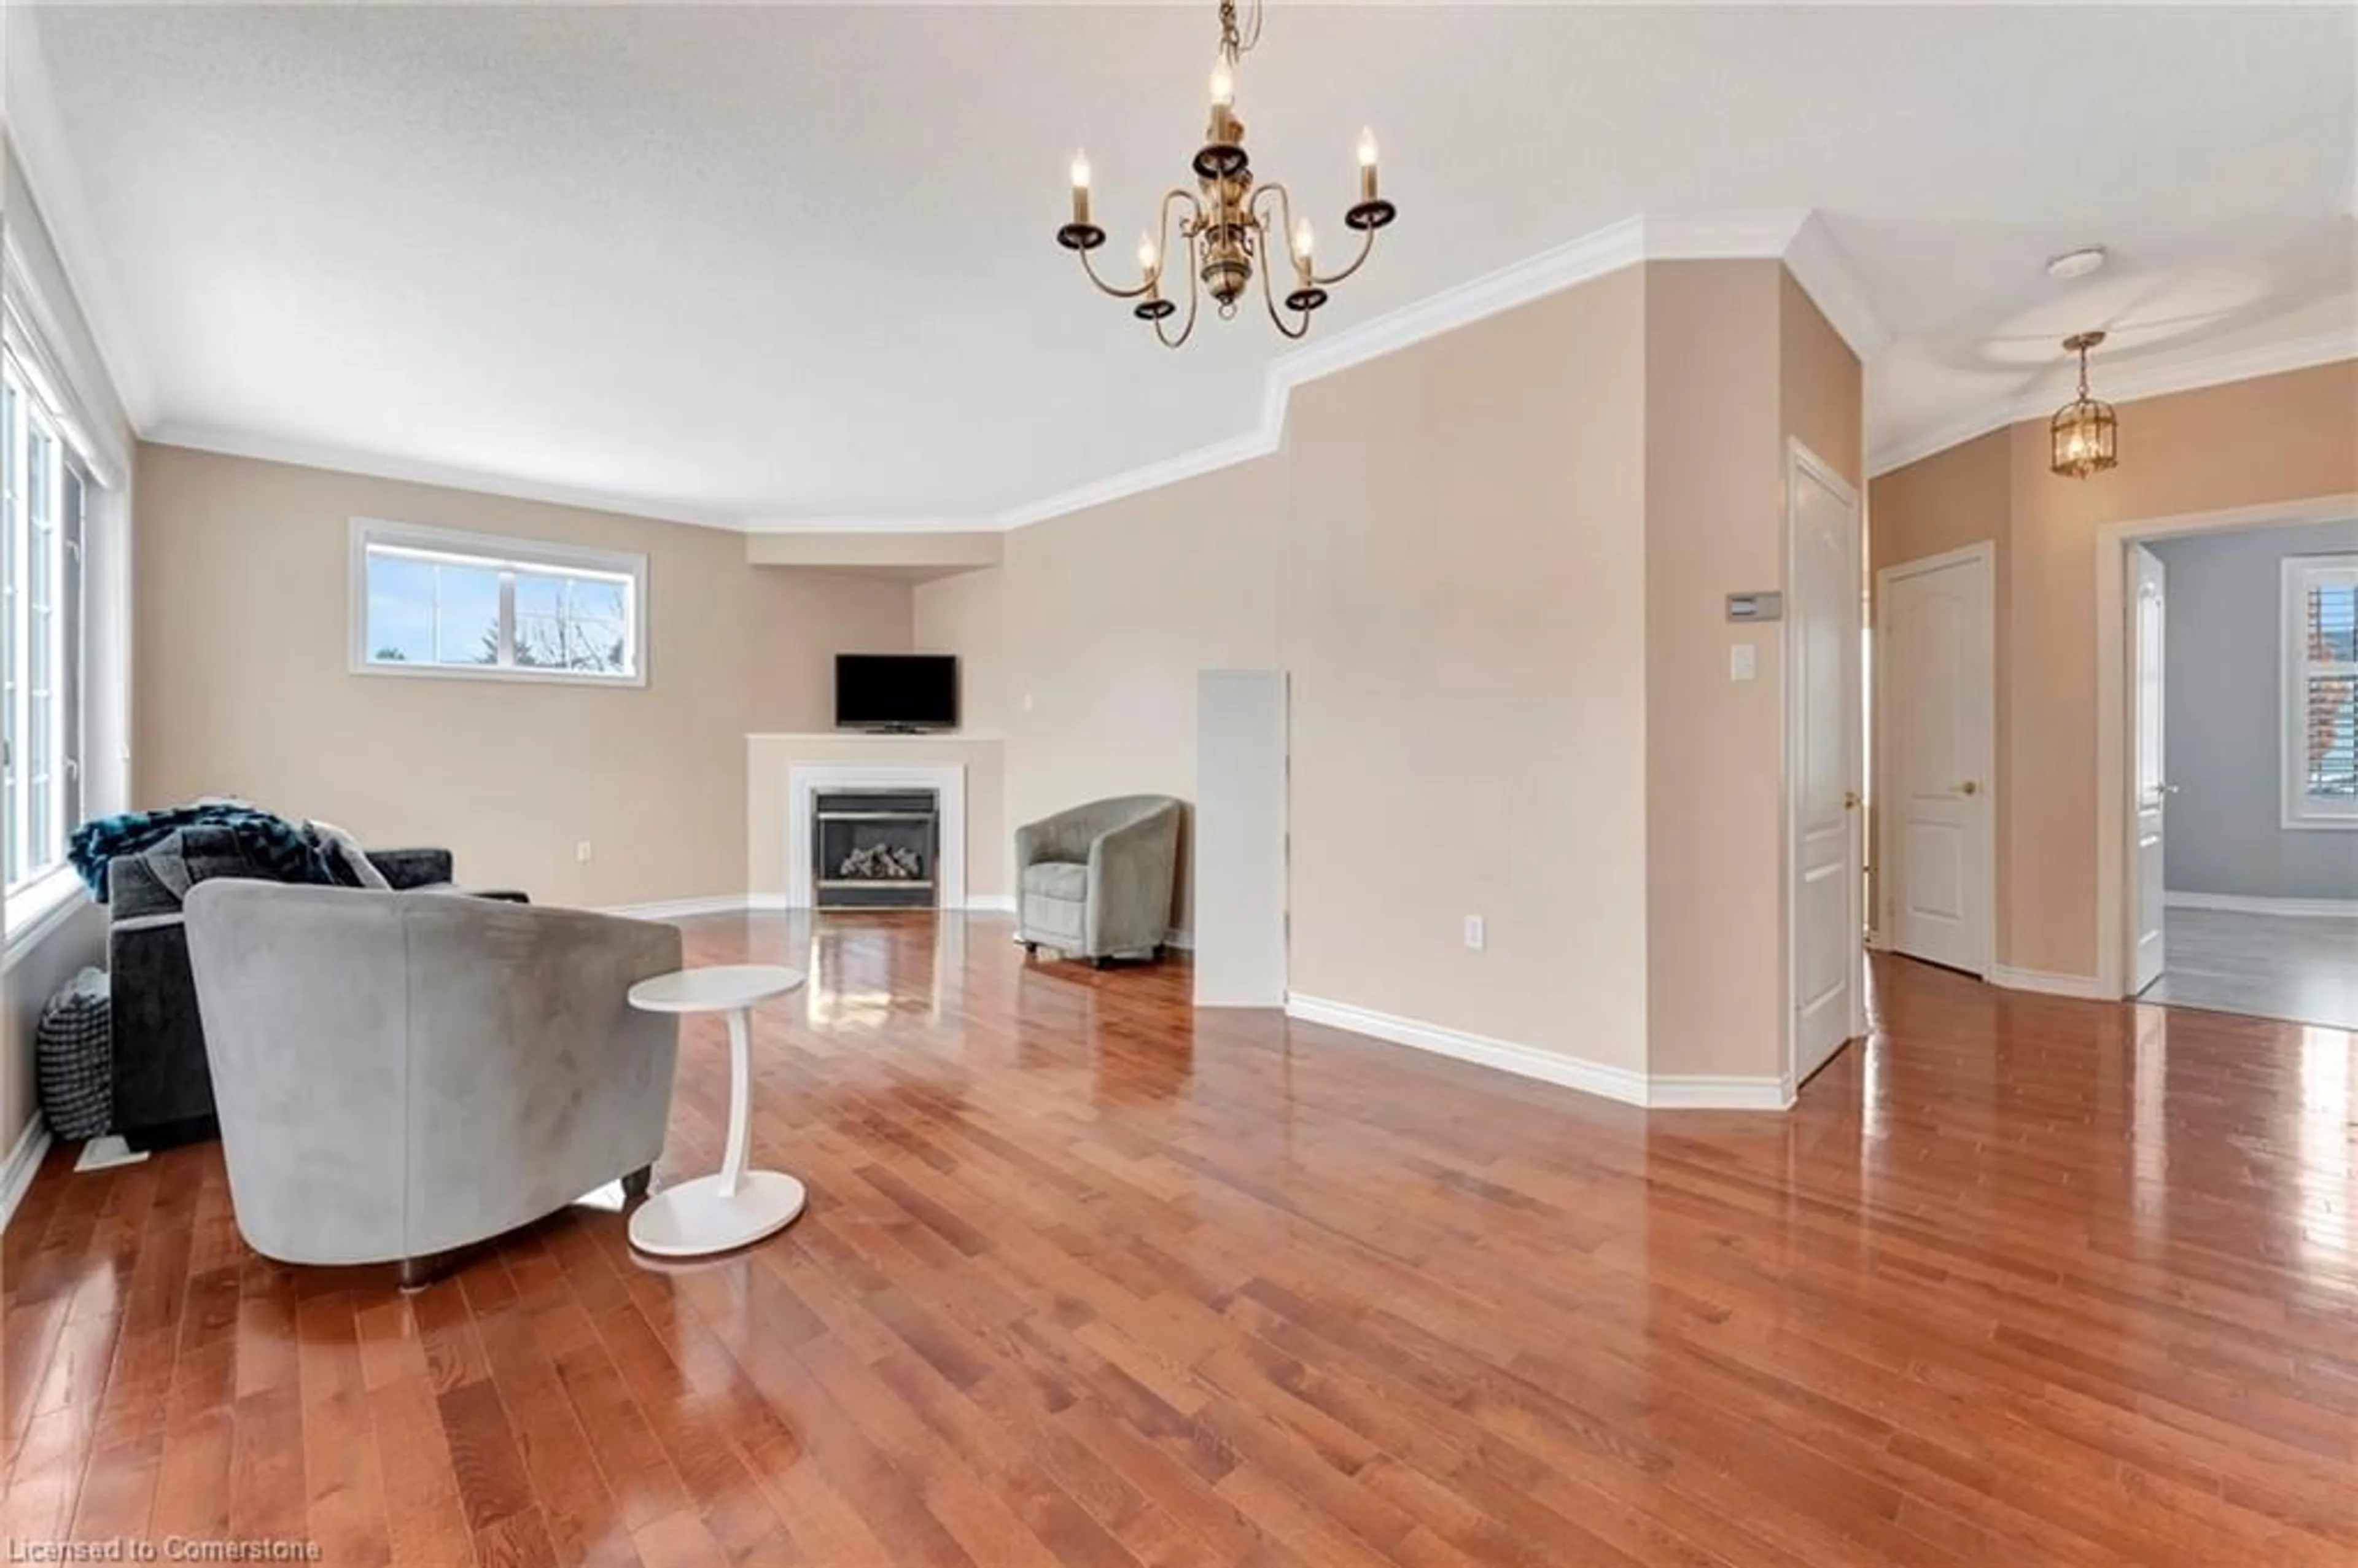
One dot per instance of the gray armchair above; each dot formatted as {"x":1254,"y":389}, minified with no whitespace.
{"x":401,"y":1075}
{"x":1094,"y":883}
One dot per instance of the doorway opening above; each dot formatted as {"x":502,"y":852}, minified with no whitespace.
{"x":2246,"y":771}
{"x":2228,"y":761}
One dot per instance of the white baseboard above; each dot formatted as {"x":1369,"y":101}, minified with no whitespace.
{"x":1183,"y":940}
{"x":1669,"y":1092}
{"x":2085,"y":986}
{"x":2237,"y":904}
{"x":773,"y":903}
{"x":24,"y":1162}
{"x":1679,"y":1091}
{"x":1549,"y":1067}
{"x":682,"y":908}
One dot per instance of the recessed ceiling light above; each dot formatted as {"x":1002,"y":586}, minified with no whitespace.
{"x":2077,"y":264}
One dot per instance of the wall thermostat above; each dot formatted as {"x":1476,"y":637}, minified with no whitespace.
{"x":1756,"y":607}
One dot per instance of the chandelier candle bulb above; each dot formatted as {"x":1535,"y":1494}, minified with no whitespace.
{"x":1366,"y":166}
{"x":1224,"y":86}
{"x":1080,"y":187}
{"x":1146,"y":256}
{"x":1303,"y":239}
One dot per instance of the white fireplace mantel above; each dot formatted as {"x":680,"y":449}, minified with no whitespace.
{"x":948,"y":784}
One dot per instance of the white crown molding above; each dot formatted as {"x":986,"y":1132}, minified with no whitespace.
{"x":2123,"y":383}
{"x":1825,"y":274}
{"x":1794,"y":234}
{"x":380,"y":465}
{"x":39,"y":143}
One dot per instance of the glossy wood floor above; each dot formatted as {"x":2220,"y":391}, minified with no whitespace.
{"x":1088,"y":1280}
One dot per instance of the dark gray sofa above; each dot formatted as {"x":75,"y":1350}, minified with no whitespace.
{"x":163,"y":1088}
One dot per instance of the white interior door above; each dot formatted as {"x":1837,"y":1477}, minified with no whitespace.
{"x":1822,"y":761}
{"x":1240,"y":838}
{"x":1937,"y":683}
{"x":2147,"y":602}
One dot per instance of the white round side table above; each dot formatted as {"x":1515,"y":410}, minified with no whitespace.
{"x":734,"y":1207}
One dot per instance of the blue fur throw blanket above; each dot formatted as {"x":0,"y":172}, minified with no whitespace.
{"x":281,"y":851}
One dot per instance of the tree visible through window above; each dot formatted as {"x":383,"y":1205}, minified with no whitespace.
{"x":454,"y":604}
{"x":2322,"y":691}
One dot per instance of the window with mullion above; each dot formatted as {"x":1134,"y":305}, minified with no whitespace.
{"x":38,"y":489}
{"x":2322,"y":691}
{"x":449,"y":604}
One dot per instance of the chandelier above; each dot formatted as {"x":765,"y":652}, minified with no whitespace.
{"x":1229,"y":228}
{"x":2083,"y":437}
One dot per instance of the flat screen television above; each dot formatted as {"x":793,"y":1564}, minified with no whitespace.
{"x":896,"y":691}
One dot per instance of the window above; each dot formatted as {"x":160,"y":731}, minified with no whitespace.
{"x":435,"y":603}
{"x":2321,"y":667}
{"x":43,"y":486}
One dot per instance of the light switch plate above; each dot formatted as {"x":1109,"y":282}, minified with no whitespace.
{"x":1743,"y":661}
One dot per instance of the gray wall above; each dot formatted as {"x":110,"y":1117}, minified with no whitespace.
{"x":2224,"y":692}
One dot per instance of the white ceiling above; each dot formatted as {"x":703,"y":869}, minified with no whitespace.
{"x":733,"y":264}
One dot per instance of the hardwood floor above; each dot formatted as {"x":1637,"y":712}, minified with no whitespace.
{"x":1088,"y":1280}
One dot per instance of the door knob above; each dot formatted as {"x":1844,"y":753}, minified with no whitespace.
{"x":1970,"y":786}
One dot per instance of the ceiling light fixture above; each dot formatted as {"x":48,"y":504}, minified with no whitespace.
{"x":1226,"y":226}
{"x":2076,"y":263}
{"x":2083,"y":439}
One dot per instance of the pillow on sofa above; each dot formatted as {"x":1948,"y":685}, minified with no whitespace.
{"x":358,"y":869}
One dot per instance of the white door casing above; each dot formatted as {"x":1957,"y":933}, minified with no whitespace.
{"x":2148,"y":585}
{"x":1822,"y":760}
{"x":1935,"y":729}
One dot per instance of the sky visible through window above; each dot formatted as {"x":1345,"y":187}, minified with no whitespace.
{"x":424,"y":610}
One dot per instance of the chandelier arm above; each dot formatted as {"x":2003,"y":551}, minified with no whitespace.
{"x":1269,"y":298}
{"x":1284,"y":212}
{"x":1105,"y":287}
{"x":1366,"y":249}
{"x":1187,"y":239}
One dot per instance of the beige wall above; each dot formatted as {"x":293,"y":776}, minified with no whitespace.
{"x":1451,"y":555}
{"x":768,"y":759}
{"x":2281,"y":438}
{"x":1463,"y":603}
{"x":1739,"y":359}
{"x":1081,"y":650}
{"x":245,"y":688}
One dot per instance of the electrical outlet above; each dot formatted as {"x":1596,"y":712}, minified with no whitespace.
{"x":581,"y":852}
{"x":1475,"y":935}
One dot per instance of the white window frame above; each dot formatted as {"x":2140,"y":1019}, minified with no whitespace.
{"x":35,"y":899}
{"x":506,"y":556}
{"x":2301,"y":810}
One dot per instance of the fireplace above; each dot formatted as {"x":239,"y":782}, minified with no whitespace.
{"x":874,"y":848}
